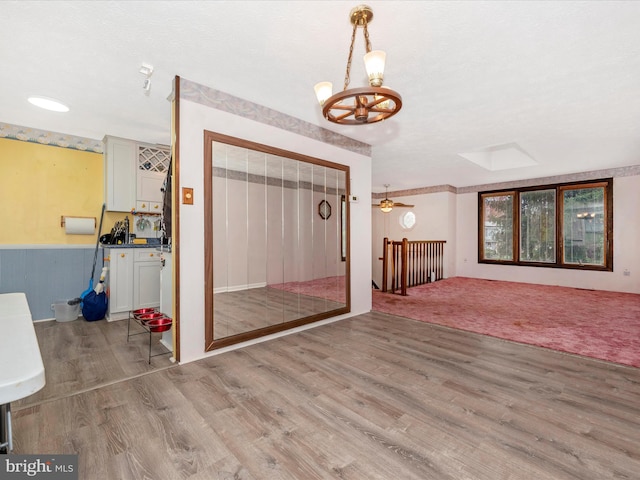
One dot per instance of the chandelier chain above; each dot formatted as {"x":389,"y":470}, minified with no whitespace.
{"x":366,"y":36}
{"x":361,"y":20}
{"x":347,"y":78}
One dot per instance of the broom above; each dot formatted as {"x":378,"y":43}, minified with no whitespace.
{"x":95,"y":258}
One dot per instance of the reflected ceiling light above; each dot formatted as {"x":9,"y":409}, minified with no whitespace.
{"x":386,"y":205}
{"x":360,"y":106}
{"x":48,"y":104}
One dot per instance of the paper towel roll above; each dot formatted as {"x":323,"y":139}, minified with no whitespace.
{"x":79,"y":225}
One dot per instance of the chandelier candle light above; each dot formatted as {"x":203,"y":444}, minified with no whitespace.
{"x":360,"y":106}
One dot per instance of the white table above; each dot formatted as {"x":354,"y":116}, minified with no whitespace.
{"x":21,"y":368}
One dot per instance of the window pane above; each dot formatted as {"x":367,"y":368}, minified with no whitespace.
{"x":538,"y":226}
{"x":497,"y":213}
{"x":583,"y":226}
{"x":407,"y":220}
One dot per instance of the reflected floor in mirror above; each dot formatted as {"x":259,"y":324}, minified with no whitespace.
{"x":80,"y":356}
{"x":248,"y":310}
{"x":331,"y":288}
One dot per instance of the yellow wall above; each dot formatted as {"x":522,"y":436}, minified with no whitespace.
{"x":41,"y":183}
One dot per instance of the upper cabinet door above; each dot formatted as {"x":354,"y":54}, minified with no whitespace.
{"x":120,"y":164}
{"x":134,"y":172}
{"x":150,"y":188}
{"x":152,"y":167}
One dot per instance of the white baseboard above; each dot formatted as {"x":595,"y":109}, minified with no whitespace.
{"x":238,"y":288}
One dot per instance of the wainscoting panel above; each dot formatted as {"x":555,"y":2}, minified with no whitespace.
{"x":47,"y":274}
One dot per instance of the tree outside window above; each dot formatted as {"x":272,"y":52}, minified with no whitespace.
{"x":538,"y":226}
{"x":498,"y":226}
{"x":583,"y":226}
{"x":582,"y":213}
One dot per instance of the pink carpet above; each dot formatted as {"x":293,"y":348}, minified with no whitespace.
{"x":598,"y":324}
{"x":329,"y":288}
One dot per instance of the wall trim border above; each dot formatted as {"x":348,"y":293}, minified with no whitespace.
{"x":629,"y":171}
{"x":52,"y":139}
{"x":212,"y":98}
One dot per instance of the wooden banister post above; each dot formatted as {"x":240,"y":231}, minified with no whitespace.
{"x":385,"y":262}
{"x":403,"y":269}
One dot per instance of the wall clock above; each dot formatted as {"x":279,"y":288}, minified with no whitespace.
{"x":324,"y":209}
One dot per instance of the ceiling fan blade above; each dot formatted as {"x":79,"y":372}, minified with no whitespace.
{"x":395,"y":204}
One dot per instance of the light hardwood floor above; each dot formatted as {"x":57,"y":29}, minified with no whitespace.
{"x":371,"y":397}
{"x":81,"y":355}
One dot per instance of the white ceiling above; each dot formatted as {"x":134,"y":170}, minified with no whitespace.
{"x":557,"y":81}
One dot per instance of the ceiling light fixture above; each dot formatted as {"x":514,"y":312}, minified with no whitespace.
{"x":386,"y":205}
{"x":48,"y":104}
{"x":147,"y":71}
{"x":360,"y":106}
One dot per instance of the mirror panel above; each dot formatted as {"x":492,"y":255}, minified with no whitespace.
{"x":276,"y":240}
{"x":275,"y":255}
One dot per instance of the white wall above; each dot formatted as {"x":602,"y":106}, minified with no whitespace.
{"x":626,"y":247}
{"x":454,"y":218}
{"x":194,"y":119}
{"x":435,"y":220}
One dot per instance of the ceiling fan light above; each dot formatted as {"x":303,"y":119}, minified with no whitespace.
{"x":323,"y":91}
{"x":386,"y":205}
{"x":374,"y":63}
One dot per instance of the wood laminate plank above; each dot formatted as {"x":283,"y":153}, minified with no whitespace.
{"x":370,"y":397}
{"x":81,"y":355}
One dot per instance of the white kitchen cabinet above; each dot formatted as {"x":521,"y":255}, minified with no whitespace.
{"x":166,"y":295}
{"x":149,"y":190}
{"x":134,"y":174}
{"x":152,"y":168}
{"x":133,"y":280}
{"x":146,"y":278}
{"x":120,"y":282}
{"x":120,"y":165}
{"x":147,"y":206}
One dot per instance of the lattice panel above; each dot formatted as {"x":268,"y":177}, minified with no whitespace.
{"x":153,"y":159}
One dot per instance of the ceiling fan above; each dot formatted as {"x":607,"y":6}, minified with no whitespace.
{"x":387,"y":205}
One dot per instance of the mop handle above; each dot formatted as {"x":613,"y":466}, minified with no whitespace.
{"x":95,"y":254}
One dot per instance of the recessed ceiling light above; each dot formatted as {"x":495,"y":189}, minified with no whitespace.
{"x":48,"y":104}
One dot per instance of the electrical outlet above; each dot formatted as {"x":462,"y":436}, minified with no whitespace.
{"x":626,"y":272}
